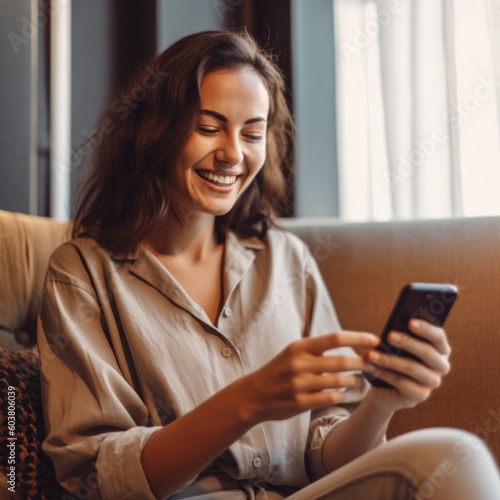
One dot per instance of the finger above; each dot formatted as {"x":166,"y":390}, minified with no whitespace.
{"x":342,"y":338}
{"x":406,"y":386}
{"x":310,"y":400}
{"x":433,"y":334}
{"x":409,"y":368}
{"x":334,"y":363}
{"x":314,"y":383}
{"x":425,"y":352}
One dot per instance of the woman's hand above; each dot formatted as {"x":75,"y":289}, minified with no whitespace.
{"x":413,"y":380}
{"x":303,"y":377}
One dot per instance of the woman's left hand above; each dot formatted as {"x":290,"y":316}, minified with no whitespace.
{"x":413,"y":380}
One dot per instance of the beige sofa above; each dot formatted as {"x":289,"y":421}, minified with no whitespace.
{"x":364,"y":266}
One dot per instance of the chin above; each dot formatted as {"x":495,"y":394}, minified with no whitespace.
{"x":213,"y":209}
{"x":221,"y":211}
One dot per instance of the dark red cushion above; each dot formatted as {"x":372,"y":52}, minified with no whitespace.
{"x":20,"y":384}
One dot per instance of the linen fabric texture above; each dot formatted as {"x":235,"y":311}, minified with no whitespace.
{"x":125,"y":350}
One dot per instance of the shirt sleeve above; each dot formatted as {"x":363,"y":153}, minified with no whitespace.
{"x":323,"y":319}
{"x":95,"y":421}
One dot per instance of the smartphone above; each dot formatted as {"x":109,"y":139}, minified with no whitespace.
{"x":428,"y":301}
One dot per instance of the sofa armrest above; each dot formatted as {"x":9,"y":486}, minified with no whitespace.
{"x":26,"y":243}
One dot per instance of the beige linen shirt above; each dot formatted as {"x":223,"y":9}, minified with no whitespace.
{"x":124,"y":351}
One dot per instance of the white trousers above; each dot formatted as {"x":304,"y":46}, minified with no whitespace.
{"x":437,"y":463}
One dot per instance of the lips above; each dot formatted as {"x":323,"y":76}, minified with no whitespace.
{"x":216,"y":178}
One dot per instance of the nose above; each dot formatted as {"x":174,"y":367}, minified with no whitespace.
{"x":229,"y":151}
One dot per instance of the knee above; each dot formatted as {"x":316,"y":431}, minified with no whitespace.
{"x":448,"y":460}
{"x":464,"y":445}
{"x":446,"y":446}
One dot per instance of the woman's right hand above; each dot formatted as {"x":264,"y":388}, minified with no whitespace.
{"x":302,"y":377}
{"x":299,"y":378}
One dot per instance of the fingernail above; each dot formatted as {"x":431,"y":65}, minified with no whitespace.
{"x":374,"y":356}
{"x":416,"y":324}
{"x":395,"y":336}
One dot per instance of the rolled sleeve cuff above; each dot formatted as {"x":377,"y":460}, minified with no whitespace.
{"x":319,"y":430}
{"x":119,"y":466}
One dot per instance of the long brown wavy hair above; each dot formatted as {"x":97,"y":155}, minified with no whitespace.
{"x":142,"y":132}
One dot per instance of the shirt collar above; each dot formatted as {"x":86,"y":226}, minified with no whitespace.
{"x":253,"y":242}
{"x":238,"y":257}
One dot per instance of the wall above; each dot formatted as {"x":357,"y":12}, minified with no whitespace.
{"x":177,"y":18}
{"x":16,"y":103}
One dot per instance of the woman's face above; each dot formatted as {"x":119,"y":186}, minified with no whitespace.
{"x":228,"y":148}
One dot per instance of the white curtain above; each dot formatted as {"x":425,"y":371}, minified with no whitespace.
{"x":398,"y":135}
{"x":493,"y":14}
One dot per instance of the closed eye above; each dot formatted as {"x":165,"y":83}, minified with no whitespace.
{"x":254,"y":138}
{"x":207,"y":131}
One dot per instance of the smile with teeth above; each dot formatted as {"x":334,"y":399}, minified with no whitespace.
{"x":221,"y":180}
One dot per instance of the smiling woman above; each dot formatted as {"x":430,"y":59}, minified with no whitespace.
{"x":218,"y":93}
{"x":203,"y":357}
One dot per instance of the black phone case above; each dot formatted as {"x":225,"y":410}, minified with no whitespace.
{"x":428,"y":301}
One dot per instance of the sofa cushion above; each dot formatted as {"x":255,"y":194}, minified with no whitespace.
{"x":26,"y":243}
{"x":20,"y":394}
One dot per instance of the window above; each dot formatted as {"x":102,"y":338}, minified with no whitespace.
{"x":477,"y":110}
{"x":417,"y":108}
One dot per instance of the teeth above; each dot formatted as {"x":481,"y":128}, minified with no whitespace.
{"x":221,"y":179}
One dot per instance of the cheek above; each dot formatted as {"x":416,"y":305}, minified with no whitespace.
{"x":256,"y":164}
{"x":258,"y":159}
{"x":185,"y":160}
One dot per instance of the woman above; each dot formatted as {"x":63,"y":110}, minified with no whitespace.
{"x":195,"y":334}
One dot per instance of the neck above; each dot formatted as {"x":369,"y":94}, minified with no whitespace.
{"x":190,"y":235}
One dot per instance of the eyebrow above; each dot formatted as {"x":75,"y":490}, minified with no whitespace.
{"x":222,"y":118}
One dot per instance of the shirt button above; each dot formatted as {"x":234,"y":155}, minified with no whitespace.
{"x":226,"y":352}
{"x":228,"y":312}
{"x":257,"y":462}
